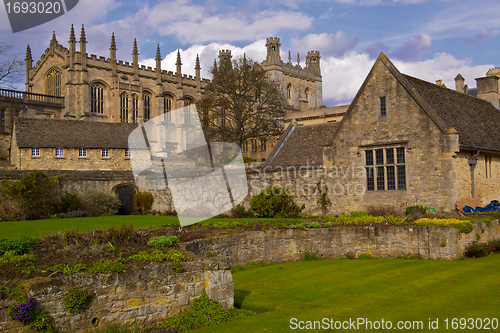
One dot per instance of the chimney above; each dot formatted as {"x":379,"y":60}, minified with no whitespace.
{"x":459,"y":83}
{"x":487,"y":89}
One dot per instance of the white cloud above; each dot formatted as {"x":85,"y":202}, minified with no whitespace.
{"x":328,"y":44}
{"x":413,"y":48}
{"x":342,"y":77}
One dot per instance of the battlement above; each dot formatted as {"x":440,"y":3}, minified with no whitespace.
{"x":272,"y":40}
{"x":224,"y":53}
{"x":313,"y":53}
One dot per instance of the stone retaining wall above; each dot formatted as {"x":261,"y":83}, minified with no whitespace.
{"x":384,"y":241}
{"x":145,"y":296}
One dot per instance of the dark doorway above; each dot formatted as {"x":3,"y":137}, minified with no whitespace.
{"x":126,"y":196}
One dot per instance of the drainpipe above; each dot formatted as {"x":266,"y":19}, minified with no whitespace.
{"x":472,"y":164}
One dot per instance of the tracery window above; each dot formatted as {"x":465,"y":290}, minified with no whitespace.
{"x":96,"y":98}
{"x":147,"y":106}
{"x":124,"y":107}
{"x":53,"y":82}
{"x":135,"y":107}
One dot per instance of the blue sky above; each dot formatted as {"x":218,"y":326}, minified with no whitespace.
{"x":429,"y":39}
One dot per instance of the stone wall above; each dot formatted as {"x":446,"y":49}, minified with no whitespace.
{"x":381,"y":241}
{"x":144,"y":296}
{"x":71,"y":160}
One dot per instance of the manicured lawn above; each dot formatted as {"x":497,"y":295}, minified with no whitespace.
{"x":38,"y":228}
{"x":14,"y":229}
{"x":389,"y":289}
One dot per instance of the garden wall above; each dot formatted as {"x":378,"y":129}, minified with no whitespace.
{"x":145,"y":295}
{"x":384,"y":241}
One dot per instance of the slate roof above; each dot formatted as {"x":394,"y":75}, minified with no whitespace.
{"x":477,"y":121}
{"x":71,"y":133}
{"x":304,"y":145}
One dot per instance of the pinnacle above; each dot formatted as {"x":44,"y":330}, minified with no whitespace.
{"x":72,"y":34}
{"x":113,"y":42}
{"x":82,"y":35}
{"x":135,"y":50}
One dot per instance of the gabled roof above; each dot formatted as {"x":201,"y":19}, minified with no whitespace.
{"x":477,"y":121}
{"x":48,"y":133}
{"x":301,"y":145}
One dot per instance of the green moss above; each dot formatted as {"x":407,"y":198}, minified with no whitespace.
{"x":75,"y":299}
{"x":108,"y":266}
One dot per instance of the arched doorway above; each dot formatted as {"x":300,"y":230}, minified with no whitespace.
{"x":126,"y":196}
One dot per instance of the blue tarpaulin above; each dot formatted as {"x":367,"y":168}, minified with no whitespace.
{"x":492,"y":206}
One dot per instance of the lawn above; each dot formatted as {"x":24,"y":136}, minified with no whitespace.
{"x":38,"y":228}
{"x":389,"y":289}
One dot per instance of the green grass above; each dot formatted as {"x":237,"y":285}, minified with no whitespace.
{"x":395,"y":290}
{"x":38,"y":228}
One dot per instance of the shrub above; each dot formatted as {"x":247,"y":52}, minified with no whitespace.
{"x":350,"y":255}
{"x":36,"y":192}
{"x":143,"y":202}
{"x":314,"y":225}
{"x":365,"y":256}
{"x":296,"y":226}
{"x":163,"y":241}
{"x":74,"y":213}
{"x":176,"y":267}
{"x":11,"y":256}
{"x":327,"y":225}
{"x":23,"y":312}
{"x":69,"y":202}
{"x":75,"y":299}
{"x":205,"y":312}
{"x":100,"y":203}
{"x":323,"y":201}
{"x":309,"y":256}
{"x":20,"y":245}
{"x":478,"y":250}
{"x":11,"y":210}
{"x":155,"y":256}
{"x":43,"y":322}
{"x":108,"y":266}
{"x":421,"y":210}
{"x":239,"y":211}
{"x":174,"y":255}
{"x":274,"y":202}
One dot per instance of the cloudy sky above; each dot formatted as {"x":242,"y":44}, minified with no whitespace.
{"x":429,"y":39}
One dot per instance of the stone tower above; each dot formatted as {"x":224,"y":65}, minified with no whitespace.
{"x":273,"y":51}
{"x":225,"y":56}
{"x":312,"y":62}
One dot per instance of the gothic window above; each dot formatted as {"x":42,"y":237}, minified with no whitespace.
{"x":167,"y":107}
{"x":187,"y":111}
{"x":135,"y":107}
{"x":254,"y":145}
{"x":306,"y":95}
{"x":147,"y":106}
{"x":96,"y":98}
{"x":124,"y":107}
{"x":289,"y":91}
{"x":53,"y":82}
{"x":263,"y":144}
{"x":385,"y":169}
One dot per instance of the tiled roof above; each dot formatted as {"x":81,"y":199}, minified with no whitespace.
{"x":304,"y":146}
{"x":477,"y":121}
{"x":71,"y":133}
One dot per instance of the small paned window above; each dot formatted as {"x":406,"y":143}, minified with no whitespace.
{"x":383,"y":109}
{"x":35,"y":152}
{"x":128,"y":153}
{"x":105,"y":153}
{"x":82,"y":152}
{"x":59,"y":152}
{"x":389,"y":173}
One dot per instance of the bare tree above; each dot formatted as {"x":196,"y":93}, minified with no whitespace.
{"x":11,"y":67}
{"x":241,"y":103}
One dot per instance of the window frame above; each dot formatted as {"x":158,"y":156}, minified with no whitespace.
{"x":59,"y":152}
{"x":35,"y":151}
{"x":385,"y":168}
{"x":128,"y":153}
{"x":105,"y":153}
{"x":97,"y":98}
{"x":82,"y":153}
{"x":383,"y":106}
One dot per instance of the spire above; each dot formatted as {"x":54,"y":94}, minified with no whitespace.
{"x":135,"y":51}
{"x":289,"y":56}
{"x":215,"y":66}
{"x":298,"y":59}
{"x":113,"y":42}
{"x":72,"y":38}
{"x":158,"y":54}
{"x":82,"y":35}
{"x":53,"y":40}
{"x":178,"y":62}
{"x":197,"y":66}
{"x":28,"y":54}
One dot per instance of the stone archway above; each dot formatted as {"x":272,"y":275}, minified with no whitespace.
{"x":126,"y":195}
